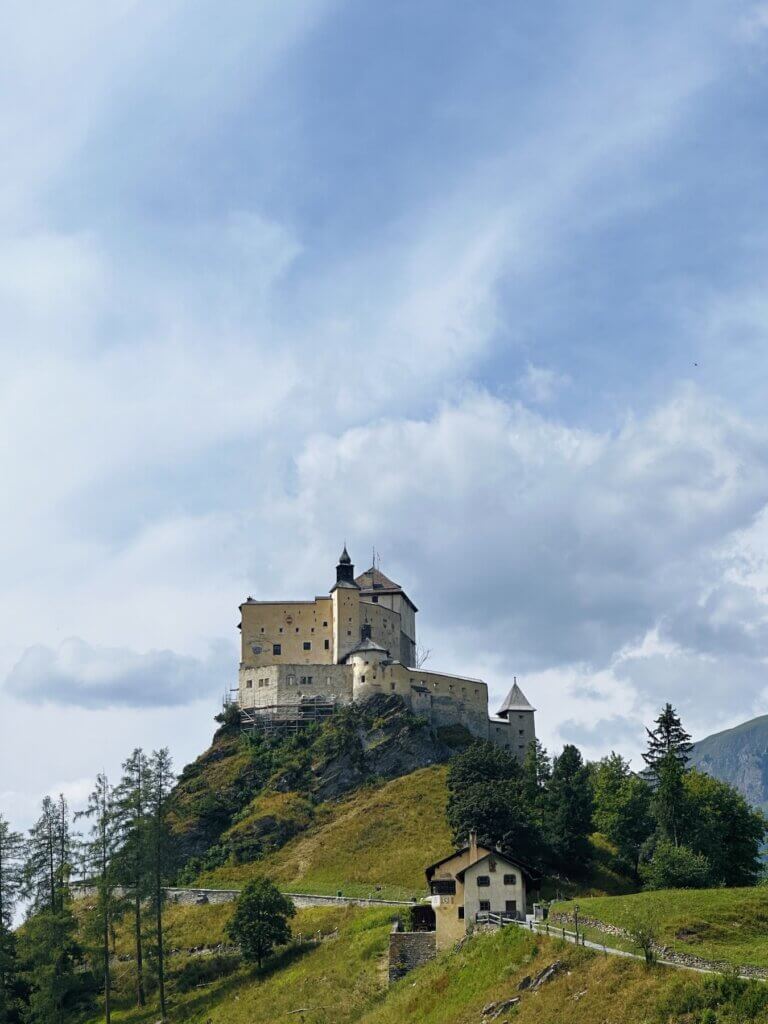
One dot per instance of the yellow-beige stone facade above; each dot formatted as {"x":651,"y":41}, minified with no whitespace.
{"x":358,"y":641}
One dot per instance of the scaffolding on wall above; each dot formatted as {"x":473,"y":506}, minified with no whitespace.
{"x":287,"y":718}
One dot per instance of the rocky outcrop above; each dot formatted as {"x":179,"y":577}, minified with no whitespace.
{"x":738,"y":756}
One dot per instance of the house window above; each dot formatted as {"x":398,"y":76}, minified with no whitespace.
{"x":483,"y":881}
{"x":307,"y":645}
{"x":510,"y":879}
{"x":443,"y":887}
{"x":327,"y":644}
{"x":277,"y":649}
{"x":485,"y":905}
{"x":461,"y":913}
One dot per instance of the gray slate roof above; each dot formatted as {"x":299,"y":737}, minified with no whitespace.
{"x":515,"y":701}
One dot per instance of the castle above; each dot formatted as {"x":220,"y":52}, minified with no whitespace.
{"x":358,"y":641}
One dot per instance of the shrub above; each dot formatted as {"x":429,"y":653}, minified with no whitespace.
{"x":260,"y":921}
{"x":675,"y":867}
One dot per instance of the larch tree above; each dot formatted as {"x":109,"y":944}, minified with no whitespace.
{"x":161,"y":780}
{"x":131,"y":807}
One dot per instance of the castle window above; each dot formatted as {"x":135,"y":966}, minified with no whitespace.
{"x":483,"y":881}
{"x":327,"y":680}
{"x":325,"y":623}
{"x":485,"y":905}
{"x":362,"y":679}
{"x":349,"y":632}
{"x":307,"y":645}
{"x":256,"y":648}
{"x":521,"y":731}
{"x":277,"y":648}
{"x":510,"y":879}
{"x":262,"y":629}
{"x":291,"y":680}
{"x":312,"y":630}
{"x":327,"y":644}
{"x":477,"y":692}
{"x":249,"y":684}
{"x":280,"y":630}
{"x":375,"y":598}
{"x":391,"y":686}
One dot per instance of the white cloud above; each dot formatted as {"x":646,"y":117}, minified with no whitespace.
{"x":79,"y":675}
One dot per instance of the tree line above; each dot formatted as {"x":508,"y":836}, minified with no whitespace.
{"x":671,"y":825}
{"x":58,"y":963}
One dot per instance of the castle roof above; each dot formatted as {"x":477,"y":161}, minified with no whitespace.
{"x":373,"y":581}
{"x":344,"y":558}
{"x":515,"y":701}
{"x":366,"y":645}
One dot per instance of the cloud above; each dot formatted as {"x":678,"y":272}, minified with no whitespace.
{"x":79,"y":675}
{"x":541,"y":385}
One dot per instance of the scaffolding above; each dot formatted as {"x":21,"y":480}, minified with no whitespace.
{"x":284,"y":719}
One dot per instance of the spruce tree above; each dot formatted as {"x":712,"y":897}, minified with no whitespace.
{"x":537,"y":771}
{"x":622,"y":806}
{"x":11,"y":854}
{"x":668,"y":738}
{"x":161,"y":781}
{"x":131,"y":800}
{"x":569,"y":806}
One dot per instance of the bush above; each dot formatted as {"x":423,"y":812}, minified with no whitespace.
{"x":675,"y":867}
{"x":260,"y":921}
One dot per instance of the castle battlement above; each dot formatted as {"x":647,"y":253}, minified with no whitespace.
{"x":358,"y":641}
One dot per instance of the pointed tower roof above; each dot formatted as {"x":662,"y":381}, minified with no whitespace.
{"x":344,"y":558}
{"x":515,"y":701}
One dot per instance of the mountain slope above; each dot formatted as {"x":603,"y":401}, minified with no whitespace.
{"x":738,"y":756}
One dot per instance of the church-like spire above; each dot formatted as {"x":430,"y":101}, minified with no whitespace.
{"x":345,"y":571}
{"x":515,"y":701}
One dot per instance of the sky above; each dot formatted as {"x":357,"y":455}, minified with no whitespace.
{"x":481,"y":286}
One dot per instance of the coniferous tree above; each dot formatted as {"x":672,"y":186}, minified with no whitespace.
{"x":50,"y":950}
{"x":668,"y":738}
{"x":11,"y":862}
{"x":537,"y":771}
{"x":100,"y":850}
{"x":160,"y":853}
{"x":131,"y":801}
{"x":569,"y":804}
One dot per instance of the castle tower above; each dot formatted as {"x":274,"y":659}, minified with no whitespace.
{"x":366,"y":659}
{"x":518,"y":713}
{"x":345,"y":595}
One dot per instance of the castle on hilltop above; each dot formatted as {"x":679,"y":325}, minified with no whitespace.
{"x":300,"y":659}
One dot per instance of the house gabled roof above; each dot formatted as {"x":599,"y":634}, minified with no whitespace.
{"x":456,"y":853}
{"x":498,"y":856}
{"x":515,"y":701}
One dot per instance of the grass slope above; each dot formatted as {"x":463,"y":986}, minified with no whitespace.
{"x":342,"y":980}
{"x":383,"y":835}
{"x":718,"y":924}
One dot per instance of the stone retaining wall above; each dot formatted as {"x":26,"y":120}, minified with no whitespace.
{"x":198,"y":897}
{"x":408,"y":950}
{"x":666,"y":953}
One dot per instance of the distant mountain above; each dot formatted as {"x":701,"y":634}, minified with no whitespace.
{"x":738,"y":756}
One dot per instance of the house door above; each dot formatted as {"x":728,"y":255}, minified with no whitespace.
{"x":511,"y":908}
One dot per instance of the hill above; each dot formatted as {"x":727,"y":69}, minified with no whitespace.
{"x":340,"y":978}
{"x":738,"y":756}
{"x":249,"y":794}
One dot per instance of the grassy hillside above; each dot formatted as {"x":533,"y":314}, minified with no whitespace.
{"x":342,"y":980}
{"x":384,"y":835}
{"x":730,"y":925}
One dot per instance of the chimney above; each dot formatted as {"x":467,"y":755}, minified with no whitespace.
{"x":473,"y":846}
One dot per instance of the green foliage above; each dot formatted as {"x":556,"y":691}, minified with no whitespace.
{"x":485,"y":785}
{"x":719,"y":999}
{"x":668,"y":739}
{"x":724,"y":828}
{"x":260,"y":921}
{"x":569,"y":810}
{"x":11,"y":877}
{"x":622,"y":806}
{"x":675,"y":867}
{"x":670,"y":806}
{"x":53,"y":960}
